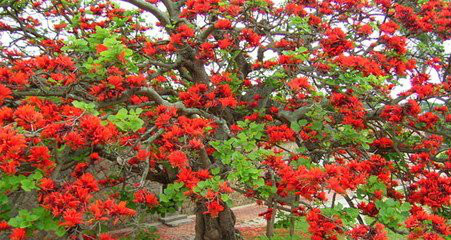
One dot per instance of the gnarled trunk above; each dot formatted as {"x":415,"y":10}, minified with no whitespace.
{"x":219,"y":228}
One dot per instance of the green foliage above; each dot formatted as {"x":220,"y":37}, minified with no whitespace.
{"x":257,"y":3}
{"x":127,"y":120}
{"x":116,"y":52}
{"x":76,"y":45}
{"x":297,"y":126}
{"x":242,"y":154}
{"x":213,"y":184}
{"x":301,"y":23}
{"x":13,"y":182}
{"x":392,"y":213}
{"x":88,"y":107}
{"x":171,"y":198}
{"x":347,"y":215}
{"x":17,"y":4}
{"x":349,"y":135}
{"x":370,"y":187}
{"x":373,"y":184}
{"x":39,"y":218}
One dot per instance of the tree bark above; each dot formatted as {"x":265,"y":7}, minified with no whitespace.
{"x":219,"y":228}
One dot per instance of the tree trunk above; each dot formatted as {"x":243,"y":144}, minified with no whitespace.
{"x":219,"y":228}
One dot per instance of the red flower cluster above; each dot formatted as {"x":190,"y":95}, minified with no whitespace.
{"x":12,"y":146}
{"x":178,"y":159}
{"x":201,"y":97}
{"x":323,"y":227}
{"x":297,"y":84}
{"x":382,"y":143}
{"x":427,"y":226}
{"x":432,"y":190}
{"x":392,"y":113}
{"x":429,"y":119}
{"x":335,"y":42}
{"x":214,"y":208}
{"x":342,"y":177}
{"x":223,"y":24}
{"x":251,"y":37}
{"x":351,"y":107}
{"x":302,"y":181}
{"x":115,"y":84}
{"x":184,"y":32}
{"x":280,"y":133}
{"x":366,"y":65}
{"x":145,"y":197}
{"x":367,"y":232}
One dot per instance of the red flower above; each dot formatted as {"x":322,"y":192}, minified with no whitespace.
{"x":145,"y":197}
{"x":251,"y":37}
{"x":47,"y":184}
{"x":223,"y":24}
{"x":139,"y":80}
{"x":40,"y":157}
{"x":4,"y":225}
{"x":389,"y":27}
{"x":365,"y":29}
{"x":75,"y":140}
{"x":429,"y":118}
{"x":299,"y":83}
{"x":392,"y":113}
{"x":225,"y":43}
{"x":185,"y":31}
{"x":4,"y":93}
{"x":18,"y":234}
{"x":322,"y":227}
{"x":188,"y":177}
{"x":178,"y":159}
{"x":100,"y":48}
{"x":72,"y":218}
{"x":19,"y":78}
{"x":383,"y":143}
{"x":196,"y":143}
{"x":149,"y":49}
{"x":336,"y":42}
{"x":87,"y":181}
{"x":412,"y":107}
{"x":280,"y":133}
{"x":214,"y":208}
{"x":28,"y":117}
{"x":106,"y":236}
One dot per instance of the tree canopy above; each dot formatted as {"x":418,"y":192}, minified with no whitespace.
{"x":331,"y":111}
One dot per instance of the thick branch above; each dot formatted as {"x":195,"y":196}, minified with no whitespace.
{"x":162,"y":17}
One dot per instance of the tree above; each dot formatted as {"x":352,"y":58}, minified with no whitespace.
{"x":331,"y":110}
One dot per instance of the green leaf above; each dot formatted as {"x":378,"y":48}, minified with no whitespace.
{"x":28,"y":185}
{"x":295,"y":126}
{"x":127,"y":120}
{"x":215,"y":171}
{"x":317,"y":125}
{"x":260,"y":182}
{"x":36,"y":175}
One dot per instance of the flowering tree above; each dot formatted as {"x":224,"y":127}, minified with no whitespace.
{"x":331,"y":110}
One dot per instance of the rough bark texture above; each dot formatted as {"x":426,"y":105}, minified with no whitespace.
{"x":219,"y":228}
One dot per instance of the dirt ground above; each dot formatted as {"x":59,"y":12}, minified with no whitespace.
{"x":246,"y":216}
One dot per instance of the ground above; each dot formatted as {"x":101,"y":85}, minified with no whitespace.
{"x":248,"y":222}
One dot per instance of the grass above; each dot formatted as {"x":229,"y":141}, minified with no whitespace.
{"x":301,"y":232}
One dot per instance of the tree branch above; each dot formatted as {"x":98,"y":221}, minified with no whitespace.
{"x":162,"y":17}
